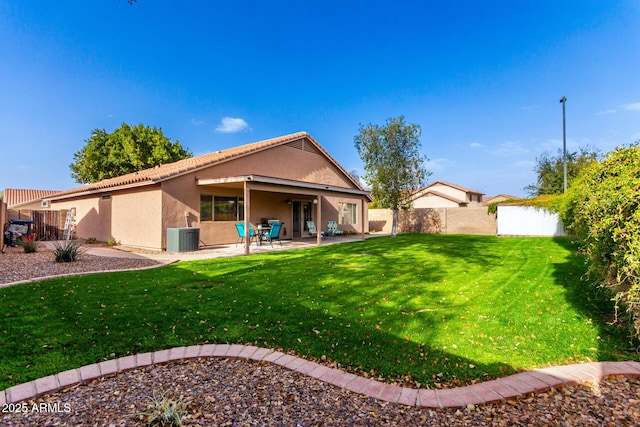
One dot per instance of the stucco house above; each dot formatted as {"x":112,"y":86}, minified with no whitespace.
{"x":291,"y":178}
{"x":440,"y":194}
{"x":499,"y":198}
{"x":25,"y":199}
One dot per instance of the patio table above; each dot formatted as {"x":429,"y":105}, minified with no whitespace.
{"x":260,"y":232}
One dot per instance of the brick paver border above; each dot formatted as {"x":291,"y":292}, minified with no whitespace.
{"x":501,"y":389}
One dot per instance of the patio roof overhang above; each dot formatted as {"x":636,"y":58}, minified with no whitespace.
{"x":280,"y":185}
{"x":248,"y":183}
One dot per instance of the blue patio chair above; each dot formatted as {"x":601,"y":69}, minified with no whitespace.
{"x":313,"y":231}
{"x":274,"y":233}
{"x":332,"y":228}
{"x":241,"y":234}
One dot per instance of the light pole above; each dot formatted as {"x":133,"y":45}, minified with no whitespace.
{"x":563,"y":101}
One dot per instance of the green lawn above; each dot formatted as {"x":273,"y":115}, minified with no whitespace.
{"x":429,"y":308}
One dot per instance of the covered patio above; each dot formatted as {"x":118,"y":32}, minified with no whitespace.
{"x":254,"y":199}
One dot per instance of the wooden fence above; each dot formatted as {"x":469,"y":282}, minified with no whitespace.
{"x":48,"y":225}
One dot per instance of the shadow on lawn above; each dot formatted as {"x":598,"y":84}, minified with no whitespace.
{"x":340,"y":304}
{"x":334,"y":301}
{"x":594,"y":303}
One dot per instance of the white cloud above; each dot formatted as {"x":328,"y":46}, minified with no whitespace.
{"x":232,"y":125}
{"x":475,"y":145}
{"x":510,"y":148}
{"x":605,"y":112}
{"x":631,"y":107}
{"x":438,"y":165}
{"x":197,"y":122}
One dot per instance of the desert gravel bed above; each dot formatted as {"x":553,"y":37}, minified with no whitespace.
{"x":232,"y":392}
{"x":15,"y":265}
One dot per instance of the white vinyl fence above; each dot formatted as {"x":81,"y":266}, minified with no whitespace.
{"x":528,"y":221}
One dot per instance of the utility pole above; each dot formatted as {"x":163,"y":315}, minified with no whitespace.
{"x":563,"y":101}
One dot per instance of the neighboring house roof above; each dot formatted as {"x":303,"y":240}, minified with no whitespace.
{"x":17,"y":197}
{"x":499,"y":196}
{"x":456,"y":186}
{"x":426,"y":190}
{"x":171,"y":170}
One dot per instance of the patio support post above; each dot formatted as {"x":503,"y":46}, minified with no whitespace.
{"x":319,"y":219}
{"x":362,"y":206}
{"x":247,"y":211}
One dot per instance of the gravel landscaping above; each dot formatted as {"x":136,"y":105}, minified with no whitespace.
{"x":16,"y":265}
{"x":232,"y":392}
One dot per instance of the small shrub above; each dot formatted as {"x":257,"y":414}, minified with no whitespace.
{"x":91,"y":241}
{"x":29,"y":246}
{"x":69,"y":251}
{"x":163,"y":411}
{"x":112,"y":241}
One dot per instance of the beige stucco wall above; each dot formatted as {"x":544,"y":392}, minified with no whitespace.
{"x":434,"y":201}
{"x":281,"y":162}
{"x":132,"y":216}
{"x":449,"y":191}
{"x":89,"y":217}
{"x":136,"y":217}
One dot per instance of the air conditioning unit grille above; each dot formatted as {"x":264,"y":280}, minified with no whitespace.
{"x":185,"y":239}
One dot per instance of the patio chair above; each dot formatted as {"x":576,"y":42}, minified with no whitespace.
{"x":332,"y":228}
{"x":313,"y":231}
{"x":274,"y":233}
{"x":241,"y":234}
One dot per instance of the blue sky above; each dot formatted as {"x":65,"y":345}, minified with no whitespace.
{"x":483,"y":79}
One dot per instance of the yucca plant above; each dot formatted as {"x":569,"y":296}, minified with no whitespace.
{"x":68,"y":251}
{"x":163,"y":411}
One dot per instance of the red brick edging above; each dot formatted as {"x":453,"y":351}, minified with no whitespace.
{"x":490,"y":391}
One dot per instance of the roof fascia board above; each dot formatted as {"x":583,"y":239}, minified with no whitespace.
{"x":101,"y":190}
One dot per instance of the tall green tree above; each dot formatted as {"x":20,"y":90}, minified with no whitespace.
{"x":393,"y":165}
{"x":125,"y":150}
{"x":550,"y":170}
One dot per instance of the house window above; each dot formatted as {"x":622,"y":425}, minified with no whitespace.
{"x":347,"y":213}
{"x":206,"y":212}
{"x":221,"y":208}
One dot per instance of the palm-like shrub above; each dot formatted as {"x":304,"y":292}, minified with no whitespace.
{"x":68,"y":251}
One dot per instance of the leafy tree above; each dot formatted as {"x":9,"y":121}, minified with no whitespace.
{"x":125,"y":150}
{"x":550,"y":170}
{"x":394,"y":167}
{"x":602,"y":208}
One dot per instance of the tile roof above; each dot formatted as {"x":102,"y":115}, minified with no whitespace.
{"x":456,"y":186}
{"x":15,"y":197}
{"x":191,"y":164}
